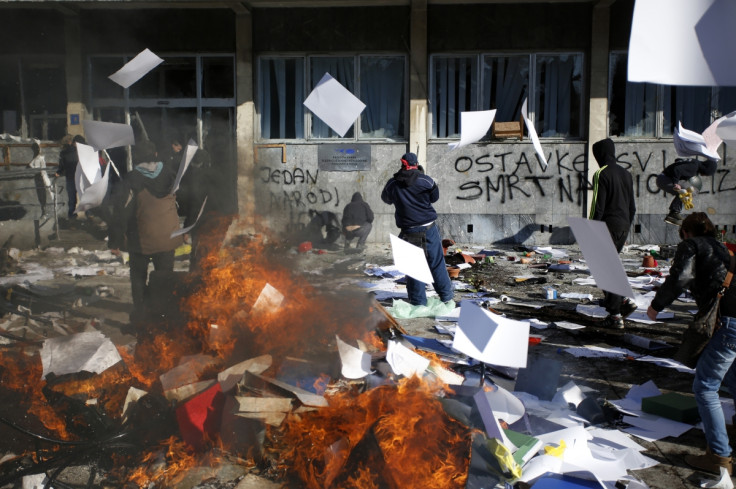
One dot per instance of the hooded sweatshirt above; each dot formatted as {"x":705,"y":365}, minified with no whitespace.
{"x":683,"y":169}
{"x":613,"y":189}
{"x":357,"y":212}
{"x":412,"y":193}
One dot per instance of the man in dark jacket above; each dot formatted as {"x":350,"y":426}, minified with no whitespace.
{"x":356,"y":221}
{"x":68,"y":161}
{"x":613,"y":203}
{"x":144,"y":216}
{"x":412,"y":193}
{"x":700,"y":266}
{"x":679,"y":176}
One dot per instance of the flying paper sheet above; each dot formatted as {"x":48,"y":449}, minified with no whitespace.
{"x":533,"y":135}
{"x":356,"y":363}
{"x":726,"y":130}
{"x":410,"y":260}
{"x":186,"y":158}
{"x":185,"y":230}
{"x":690,"y":143}
{"x":134,"y":69}
{"x":94,"y":194}
{"x":683,"y":42}
{"x":106,"y":135}
{"x":601,"y":256}
{"x":710,"y":135}
{"x":334,"y":104}
{"x":491,"y":338}
{"x":269,"y":299}
{"x":91,"y":352}
{"x":89,"y":160}
{"x":473,"y":126}
{"x":404,"y":361}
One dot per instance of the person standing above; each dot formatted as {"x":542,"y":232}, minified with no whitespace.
{"x":412,"y":193}
{"x":68,"y":161}
{"x":144,"y":216}
{"x":357,"y":219}
{"x":700,"y":266}
{"x":43,"y":184}
{"x":679,"y":175}
{"x":613,"y":203}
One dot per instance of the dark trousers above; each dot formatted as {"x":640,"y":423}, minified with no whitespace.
{"x":71,"y":194}
{"x":612,"y":302}
{"x":666,"y":184}
{"x":361,"y":233}
{"x":163,"y":261}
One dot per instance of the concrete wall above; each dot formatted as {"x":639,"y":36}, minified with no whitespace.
{"x":494,"y":193}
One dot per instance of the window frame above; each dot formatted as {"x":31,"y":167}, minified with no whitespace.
{"x":531,"y":103}
{"x":307,"y":64}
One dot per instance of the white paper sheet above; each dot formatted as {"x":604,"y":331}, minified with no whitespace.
{"x":490,"y":420}
{"x":473,"y":126}
{"x":90,"y":352}
{"x":186,"y":158}
{"x":334,"y":104}
{"x":185,"y":230}
{"x":726,"y":130}
{"x":533,"y":135}
{"x":404,"y":361}
{"x":700,"y":54}
{"x":106,"y":135}
{"x":491,"y":338}
{"x":410,"y":260}
{"x":94,"y":194}
{"x":356,"y":363}
{"x":689,"y":143}
{"x":89,"y":161}
{"x":601,"y":256}
{"x":136,"y":68}
{"x":504,"y":404}
{"x":268,"y":300}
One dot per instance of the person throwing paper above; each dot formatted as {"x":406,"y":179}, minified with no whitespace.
{"x":412,"y":193}
{"x":680,"y":176}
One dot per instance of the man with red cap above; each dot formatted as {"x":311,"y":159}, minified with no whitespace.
{"x":412,"y":193}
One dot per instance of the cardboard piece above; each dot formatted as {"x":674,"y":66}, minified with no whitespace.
{"x":672,"y":405}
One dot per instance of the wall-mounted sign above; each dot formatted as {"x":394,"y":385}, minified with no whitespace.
{"x":73,"y":119}
{"x":344,"y":157}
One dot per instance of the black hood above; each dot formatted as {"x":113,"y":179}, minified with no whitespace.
{"x":406,"y":178}
{"x":707,"y":167}
{"x":357,"y":197}
{"x":604,"y":152}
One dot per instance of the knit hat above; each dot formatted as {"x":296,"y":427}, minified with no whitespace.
{"x":409,"y":161}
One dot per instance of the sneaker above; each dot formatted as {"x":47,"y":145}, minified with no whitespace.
{"x":710,"y":462}
{"x":613,"y":322}
{"x":627,"y":307}
{"x":673,"y":218}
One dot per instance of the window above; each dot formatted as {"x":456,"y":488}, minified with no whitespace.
{"x":378,"y":81}
{"x":635,"y":108}
{"x":503,"y":82}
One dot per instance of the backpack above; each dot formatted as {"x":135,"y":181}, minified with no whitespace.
{"x":157,"y":218}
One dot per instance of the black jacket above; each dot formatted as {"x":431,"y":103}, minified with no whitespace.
{"x":357,"y":212}
{"x":613,"y":189}
{"x":68,"y":159}
{"x":683,"y":169}
{"x":412,"y":193}
{"x":700,"y":265}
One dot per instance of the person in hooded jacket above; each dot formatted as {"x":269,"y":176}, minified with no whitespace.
{"x":412,"y":194}
{"x":613,"y":203}
{"x":700,"y":266}
{"x":144,"y":216}
{"x":681,"y":174}
{"x":68,"y":161}
{"x":357,"y":218}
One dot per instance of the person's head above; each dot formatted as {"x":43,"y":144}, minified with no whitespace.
{"x":144,"y":152}
{"x":409,"y":161}
{"x":36,"y":148}
{"x":697,"y":224}
{"x":357,"y":197}
{"x":707,"y":168}
{"x":176,"y":143}
{"x":79,"y":139}
{"x":604,"y":152}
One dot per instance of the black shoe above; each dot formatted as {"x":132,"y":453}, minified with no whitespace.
{"x":673,"y":218}
{"x":613,"y":322}
{"x":628,"y":307}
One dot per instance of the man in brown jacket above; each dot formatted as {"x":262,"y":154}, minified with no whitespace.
{"x":144,"y":216}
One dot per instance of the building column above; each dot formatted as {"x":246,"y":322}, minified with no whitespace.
{"x":418,"y":92}
{"x":245,"y":118}
{"x":76,"y":110}
{"x":598,"y":103}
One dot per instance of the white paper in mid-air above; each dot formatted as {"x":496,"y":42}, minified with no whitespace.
{"x":186,"y":158}
{"x":356,"y":363}
{"x":334,"y":104}
{"x":185,"y":230}
{"x":533,"y":135}
{"x":105,"y":135}
{"x":410,"y":260}
{"x":491,"y":338}
{"x":89,"y":161}
{"x":473,"y":126}
{"x":404,"y":361}
{"x":268,"y":300}
{"x":726,"y":130}
{"x":689,"y":143}
{"x":683,"y":42}
{"x":90,"y":351}
{"x":601,"y":256}
{"x":94,"y":194}
{"x":136,"y":68}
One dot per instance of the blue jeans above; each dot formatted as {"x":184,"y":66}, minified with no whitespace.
{"x":716,"y":366}
{"x":415,"y":289}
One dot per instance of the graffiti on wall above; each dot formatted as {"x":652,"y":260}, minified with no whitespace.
{"x":292,"y":193}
